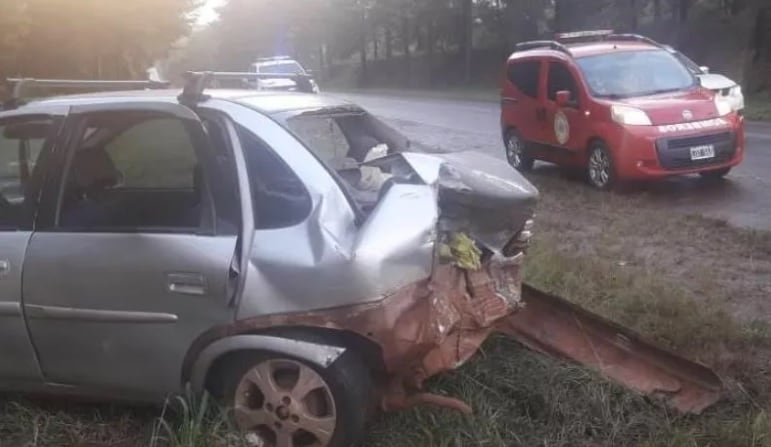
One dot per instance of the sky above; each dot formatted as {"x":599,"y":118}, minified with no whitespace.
{"x":207,"y":13}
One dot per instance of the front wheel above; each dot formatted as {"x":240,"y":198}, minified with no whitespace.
{"x":715,"y":175}
{"x":515,"y":152}
{"x":278,"y":401}
{"x":600,"y":169}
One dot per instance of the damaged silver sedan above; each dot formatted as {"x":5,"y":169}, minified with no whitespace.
{"x":289,"y":253}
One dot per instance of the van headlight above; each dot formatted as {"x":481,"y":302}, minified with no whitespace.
{"x":737,"y":97}
{"x":630,"y":116}
{"x":723,"y":106}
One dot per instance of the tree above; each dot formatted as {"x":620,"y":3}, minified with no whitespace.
{"x":89,"y":38}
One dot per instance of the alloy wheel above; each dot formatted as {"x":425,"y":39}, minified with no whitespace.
{"x":285,"y":403}
{"x":514,"y":151}
{"x":599,"y":168}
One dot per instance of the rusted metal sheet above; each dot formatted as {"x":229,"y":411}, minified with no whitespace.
{"x":554,"y":326}
{"x":436,"y":325}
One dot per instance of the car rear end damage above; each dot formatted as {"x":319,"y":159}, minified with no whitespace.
{"x":425,"y":327}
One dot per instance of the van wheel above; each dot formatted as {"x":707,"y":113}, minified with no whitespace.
{"x":715,"y":175}
{"x":515,"y":152}
{"x":279,"y":401}
{"x":600,"y":170}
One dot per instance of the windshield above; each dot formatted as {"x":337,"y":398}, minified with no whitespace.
{"x":281,"y":68}
{"x":635,"y":73}
{"x":689,"y":64}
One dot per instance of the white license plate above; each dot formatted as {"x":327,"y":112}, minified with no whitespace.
{"x":702,"y":152}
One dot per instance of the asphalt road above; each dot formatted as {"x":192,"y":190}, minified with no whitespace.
{"x":743,"y":200}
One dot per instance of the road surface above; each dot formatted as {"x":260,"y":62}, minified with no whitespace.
{"x":744,"y":200}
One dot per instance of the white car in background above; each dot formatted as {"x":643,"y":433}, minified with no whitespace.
{"x":718,"y":83}
{"x":280,"y":65}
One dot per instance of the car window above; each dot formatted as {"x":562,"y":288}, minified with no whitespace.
{"x":329,"y":142}
{"x":21,"y":143}
{"x":156,"y":153}
{"x":525,"y":76}
{"x":133,"y":171}
{"x":279,"y":197}
{"x":560,"y":79}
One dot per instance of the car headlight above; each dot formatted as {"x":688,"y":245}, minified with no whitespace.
{"x":736,"y":92}
{"x":630,"y":116}
{"x":723,"y":106}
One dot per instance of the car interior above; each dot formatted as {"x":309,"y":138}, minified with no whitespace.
{"x":21,"y":144}
{"x":147,"y":189}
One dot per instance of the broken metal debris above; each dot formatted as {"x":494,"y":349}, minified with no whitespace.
{"x":436,"y":325}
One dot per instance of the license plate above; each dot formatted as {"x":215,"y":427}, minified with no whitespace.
{"x":702,"y":152}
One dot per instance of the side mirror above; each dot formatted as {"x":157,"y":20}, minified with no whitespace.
{"x":704,"y":69}
{"x":564,"y":99}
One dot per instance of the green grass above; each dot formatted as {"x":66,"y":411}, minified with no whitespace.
{"x":758,"y":108}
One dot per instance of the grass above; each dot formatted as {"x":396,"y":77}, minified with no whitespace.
{"x":696,"y":285}
{"x":758,"y":108}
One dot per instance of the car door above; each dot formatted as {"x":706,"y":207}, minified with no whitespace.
{"x":563,"y":124}
{"x":520,"y":102}
{"x":136,"y":251}
{"x":24,"y":142}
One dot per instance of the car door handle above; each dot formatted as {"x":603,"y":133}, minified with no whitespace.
{"x":186,"y":283}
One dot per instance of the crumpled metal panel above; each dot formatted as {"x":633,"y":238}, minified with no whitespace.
{"x":478,"y":194}
{"x":554,"y":326}
{"x":425,"y":328}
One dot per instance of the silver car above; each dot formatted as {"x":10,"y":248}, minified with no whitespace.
{"x":287,"y":252}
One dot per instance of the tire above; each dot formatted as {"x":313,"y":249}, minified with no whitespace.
{"x":333,"y":413}
{"x":715,"y":175}
{"x":600,"y":169}
{"x":515,"y":152}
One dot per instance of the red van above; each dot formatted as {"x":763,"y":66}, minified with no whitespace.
{"x":620,"y":106}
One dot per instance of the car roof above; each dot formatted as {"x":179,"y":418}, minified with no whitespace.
{"x":585,"y":49}
{"x":267,"y":102}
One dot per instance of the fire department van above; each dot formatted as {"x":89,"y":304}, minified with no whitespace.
{"x":619,"y":106}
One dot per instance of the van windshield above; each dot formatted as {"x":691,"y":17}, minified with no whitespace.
{"x":635,"y":73}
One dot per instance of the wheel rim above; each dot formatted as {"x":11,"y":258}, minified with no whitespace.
{"x":514,"y":151}
{"x":599,"y":168}
{"x":283,"y":403}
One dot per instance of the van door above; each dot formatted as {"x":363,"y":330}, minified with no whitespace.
{"x":564,"y":126}
{"x":520,"y":101}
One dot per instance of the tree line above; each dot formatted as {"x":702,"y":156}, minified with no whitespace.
{"x":112,"y":39}
{"x":324,"y":32}
{"x":107,"y":39}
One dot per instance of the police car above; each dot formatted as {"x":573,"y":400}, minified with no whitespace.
{"x":283,"y":71}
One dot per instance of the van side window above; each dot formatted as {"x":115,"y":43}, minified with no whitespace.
{"x":525,"y":76}
{"x":560,"y":79}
